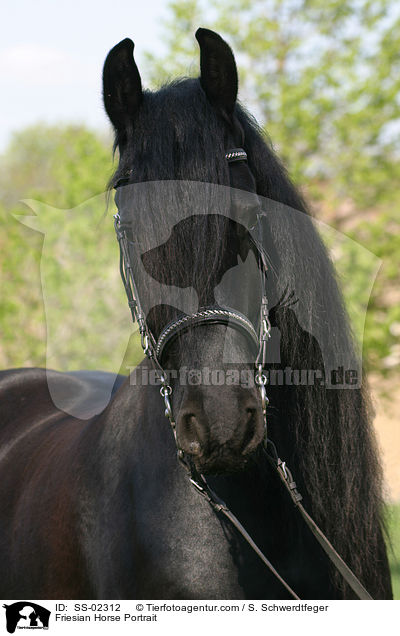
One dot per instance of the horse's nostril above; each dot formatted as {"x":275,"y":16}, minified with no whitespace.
{"x":190,"y":434}
{"x":194,"y":448}
{"x":251,"y":413}
{"x":255,"y":430}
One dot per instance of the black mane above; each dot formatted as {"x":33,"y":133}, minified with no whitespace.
{"x":170,"y":149}
{"x":320,"y":431}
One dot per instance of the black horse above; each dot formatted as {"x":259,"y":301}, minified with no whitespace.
{"x":101,"y":508}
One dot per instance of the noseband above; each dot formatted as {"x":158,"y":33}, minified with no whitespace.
{"x":209,"y":316}
{"x":257,"y":338}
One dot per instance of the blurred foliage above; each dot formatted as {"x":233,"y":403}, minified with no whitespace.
{"x":393,"y":527}
{"x":61,"y":165}
{"x":382,"y":328}
{"x":62,"y":301}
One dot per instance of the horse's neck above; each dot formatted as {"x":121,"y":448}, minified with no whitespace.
{"x":181,"y":518}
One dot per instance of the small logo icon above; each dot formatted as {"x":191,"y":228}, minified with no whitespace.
{"x":26,"y":615}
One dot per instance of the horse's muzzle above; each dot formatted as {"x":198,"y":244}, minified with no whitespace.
{"x":219,"y":442}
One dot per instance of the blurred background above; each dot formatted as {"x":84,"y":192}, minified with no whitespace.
{"x":322,"y":77}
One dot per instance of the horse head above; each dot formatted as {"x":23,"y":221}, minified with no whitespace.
{"x":179,"y":139}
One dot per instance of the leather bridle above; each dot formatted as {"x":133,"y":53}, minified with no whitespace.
{"x":257,"y":337}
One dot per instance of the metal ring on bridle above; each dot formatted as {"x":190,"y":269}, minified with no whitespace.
{"x":165,"y":390}
{"x":260,"y":379}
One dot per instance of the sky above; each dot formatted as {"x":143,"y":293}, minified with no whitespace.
{"x":52,"y":53}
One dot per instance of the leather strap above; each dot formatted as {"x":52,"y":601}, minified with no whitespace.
{"x":219,"y":506}
{"x":290,"y":485}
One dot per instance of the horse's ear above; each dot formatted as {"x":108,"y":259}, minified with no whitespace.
{"x":122,"y":87}
{"x":218,"y":77}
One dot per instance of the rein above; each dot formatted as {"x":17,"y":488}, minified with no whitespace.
{"x":153,"y":348}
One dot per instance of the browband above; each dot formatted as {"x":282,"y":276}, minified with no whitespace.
{"x":236,"y":154}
